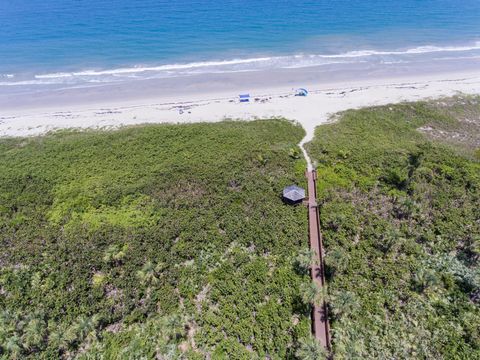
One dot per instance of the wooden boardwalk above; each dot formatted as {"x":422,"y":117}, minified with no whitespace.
{"x":320,"y":326}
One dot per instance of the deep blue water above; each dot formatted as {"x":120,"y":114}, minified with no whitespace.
{"x":48,"y":40}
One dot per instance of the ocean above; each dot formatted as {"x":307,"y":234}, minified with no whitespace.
{"x":75,"y":42}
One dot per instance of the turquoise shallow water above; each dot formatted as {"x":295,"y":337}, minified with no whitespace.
{"x":76,"y":41}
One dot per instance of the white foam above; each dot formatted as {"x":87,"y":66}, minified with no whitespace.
{"x":27,"y":82}
{"x":170,"y":67}
{"x":233,"y":65}
{"x":305,"y":64}
{"x":458,"y":57}
{"x":417,"y":50}
{"x":298,"y":60}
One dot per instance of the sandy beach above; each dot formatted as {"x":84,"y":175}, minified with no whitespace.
{"x":112,"y":110}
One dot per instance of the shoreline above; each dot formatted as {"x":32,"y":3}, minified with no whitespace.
{"x":191,"y":104}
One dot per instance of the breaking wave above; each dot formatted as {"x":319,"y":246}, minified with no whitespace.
{"x":233,"y":65}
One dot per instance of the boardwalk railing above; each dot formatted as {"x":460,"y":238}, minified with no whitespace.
{"x":320,"y":326}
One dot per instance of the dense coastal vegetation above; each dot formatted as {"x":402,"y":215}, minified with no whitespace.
{"x":161,"y":241}
{"x":399,"y":194}
{"x":172,"y":241}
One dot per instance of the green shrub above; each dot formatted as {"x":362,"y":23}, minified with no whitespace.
{"x":399,"y":216}
{"x":115,"y":236}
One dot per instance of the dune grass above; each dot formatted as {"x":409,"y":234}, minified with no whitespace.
{"x":399,"y":194}
{"x":165,"y":240}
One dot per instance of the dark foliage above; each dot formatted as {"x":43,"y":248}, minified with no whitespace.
{"x":168,"y":240}
{"x":401,"y":223}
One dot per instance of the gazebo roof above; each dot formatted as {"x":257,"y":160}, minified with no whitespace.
{"x":294,"y":193}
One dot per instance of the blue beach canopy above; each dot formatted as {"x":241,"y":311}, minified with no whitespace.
{"x":301,"y":92}
{"x":244,"y":98}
